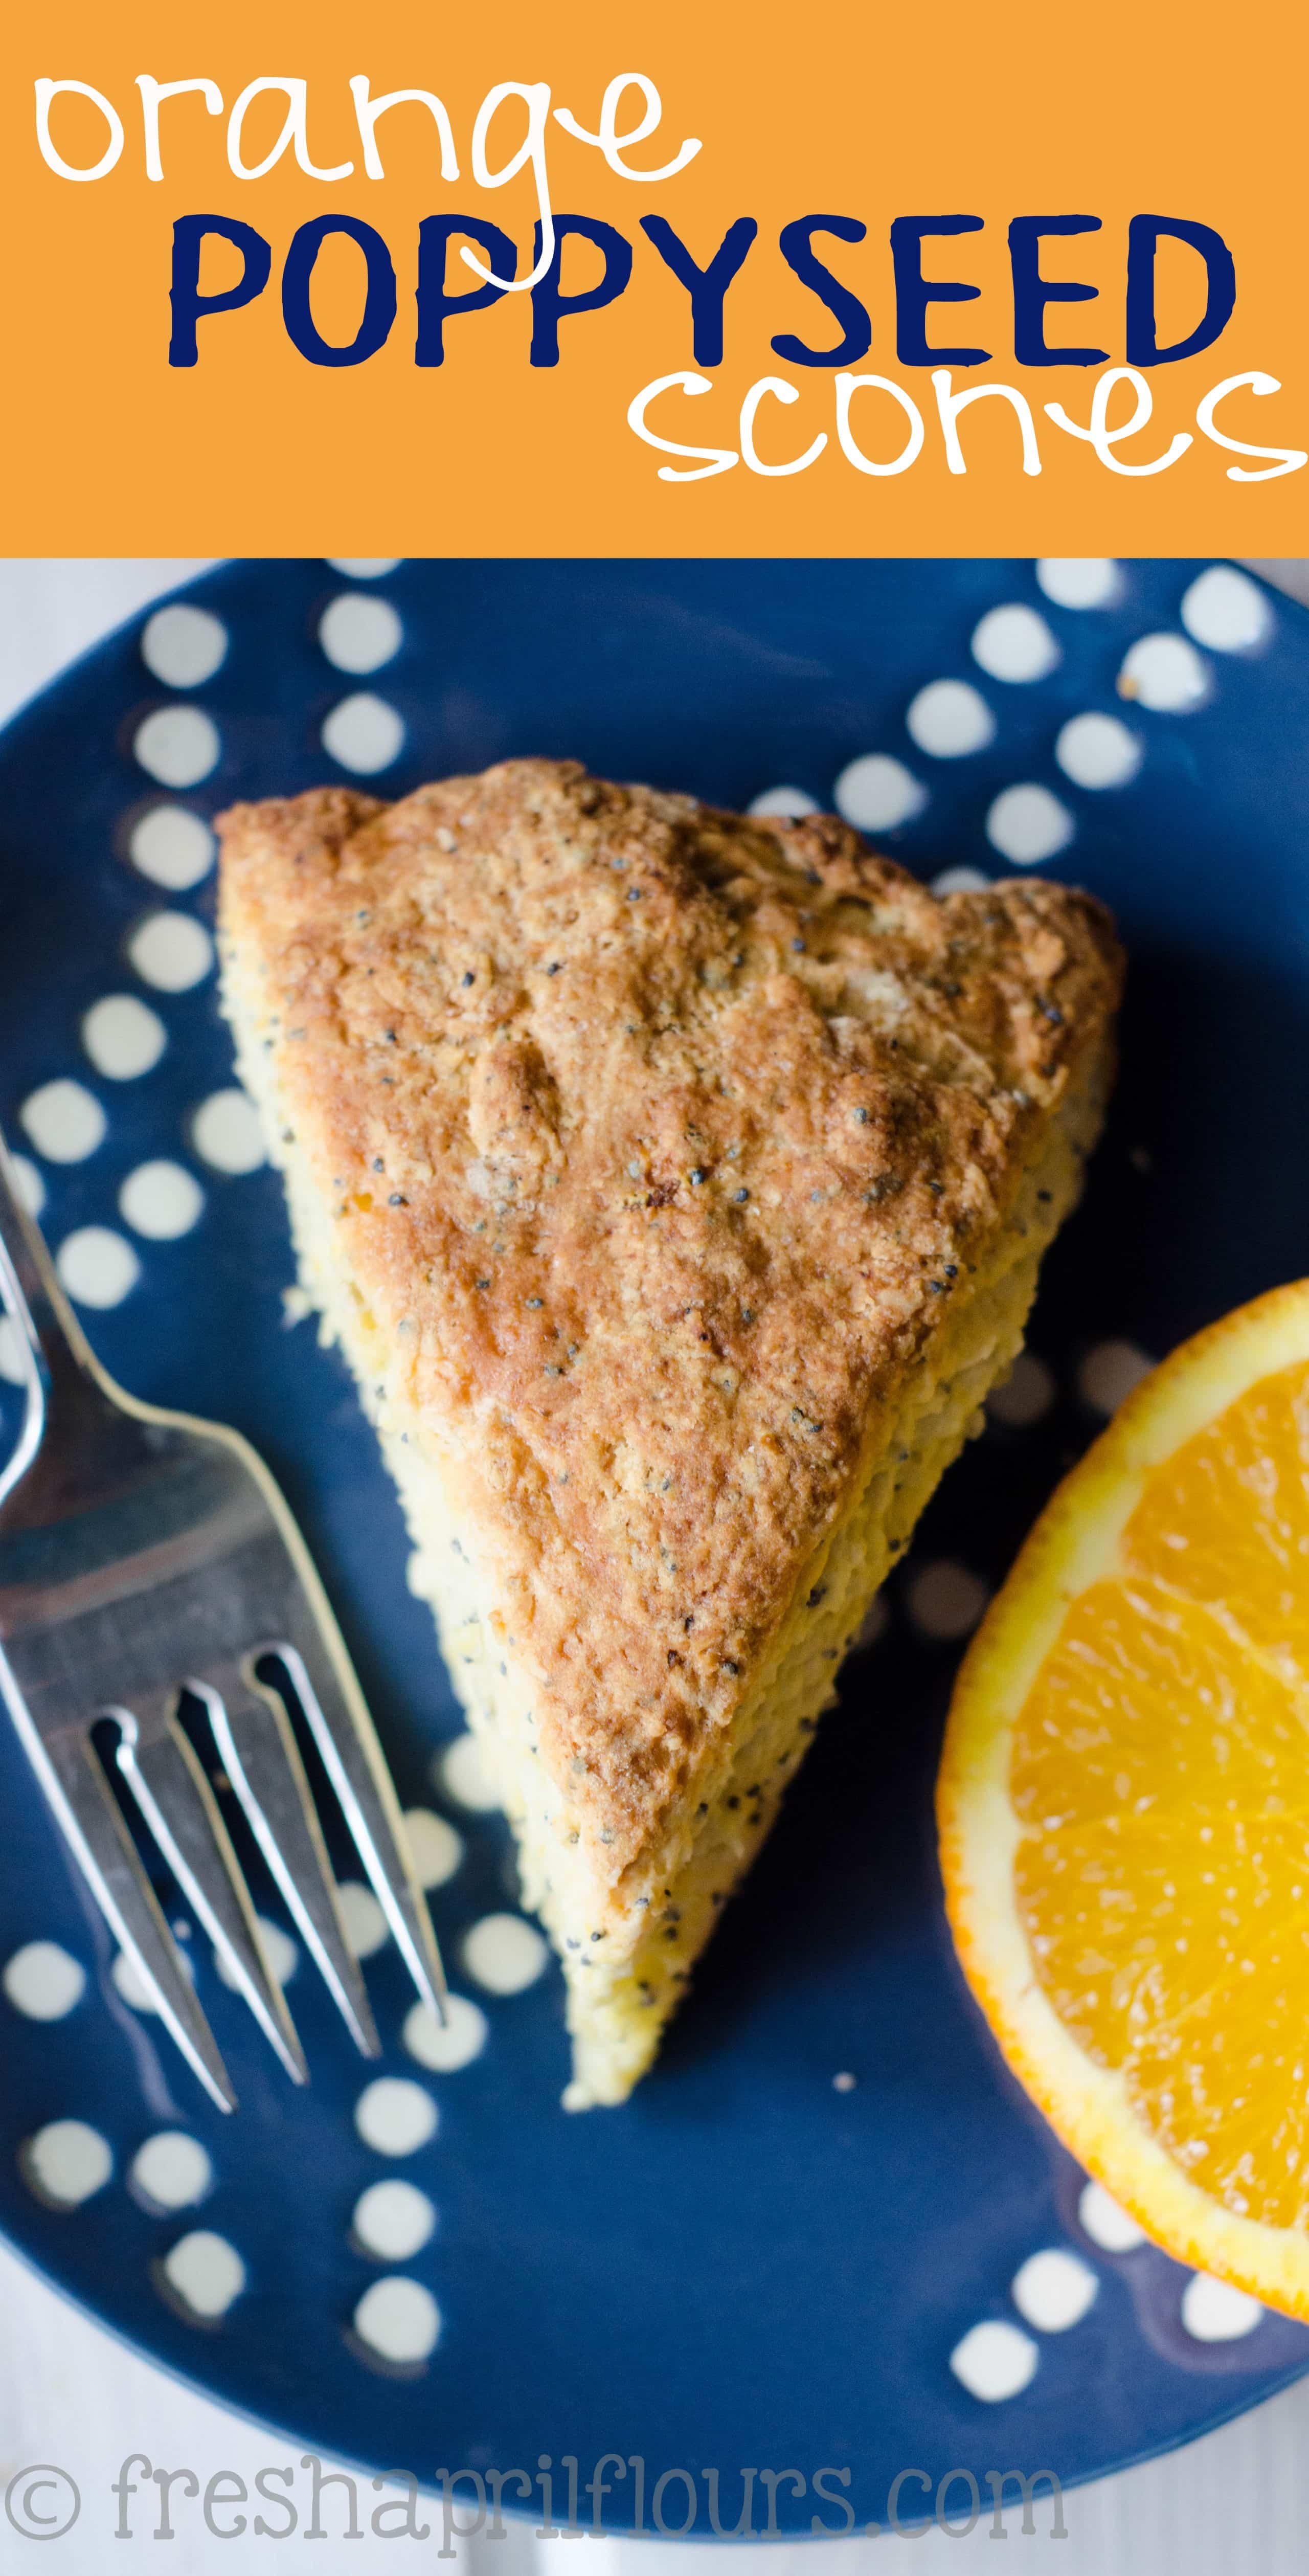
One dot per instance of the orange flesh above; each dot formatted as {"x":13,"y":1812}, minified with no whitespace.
{"x":1160,"y":1775}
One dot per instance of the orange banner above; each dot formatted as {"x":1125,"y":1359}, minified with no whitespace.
{"x":732,"y":280}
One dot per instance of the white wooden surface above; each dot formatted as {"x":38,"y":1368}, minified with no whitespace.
{"x":69,"y":2395}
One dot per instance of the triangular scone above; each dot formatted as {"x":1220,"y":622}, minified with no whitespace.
{"x":675,"y":1185}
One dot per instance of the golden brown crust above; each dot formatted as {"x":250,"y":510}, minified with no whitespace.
{"x":672,"y":1134}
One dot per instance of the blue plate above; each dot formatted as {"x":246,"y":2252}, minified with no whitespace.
{"x":747,"y":2266}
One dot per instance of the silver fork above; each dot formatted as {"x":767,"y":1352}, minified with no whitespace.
{"x":143,"y":1554}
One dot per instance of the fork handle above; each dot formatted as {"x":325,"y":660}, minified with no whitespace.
{"x":30,"y":1289}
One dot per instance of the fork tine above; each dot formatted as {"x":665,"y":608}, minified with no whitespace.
{"x":180,"y":1809}
{"x":259,"y":1753}
{"x":343,"y":1732}
{"x":88,"y":1816}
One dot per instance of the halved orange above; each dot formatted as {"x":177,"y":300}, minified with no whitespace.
{"x":1124,"y":1805}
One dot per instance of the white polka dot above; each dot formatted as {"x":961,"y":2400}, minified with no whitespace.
{"x":994,"y":2360}
{"x":364,"y":1922}
{"x":183,"y":646}
{"x":171,"y":847}
{"x":43,"y":1981}
{"x":171,"y":951}
{"x":1164,"y":673}
{"x":279,"y":1949}
{"x":123,"y":1037}
{"x":206,"y":2273}
{"x":358,"y":633}
{"x":960,"y":881}
{"x":1216,"y":2311}
{"x":876,"y":793}
{"x":1054,"y":2289}
{"x":504,"y":1953}
{"x":1108,"y":1374}
{"x":393,"y":2219}
{"x":443,"y":2047}
{"x":226,"y":1133}
{"x":435,"y":1849}
{"x":132,"y":1986}
{"x":171,"y":2170}
{"x":845,"y":2083}
{"x":1079,"y":581}
{"x":31,"y":1187}
{"x":364,"y":734}
{"x":948,"y":720}
{"x":1014,"y":643}
{"x":1097,"y":751}
{"x":790,"y":804}
{"x":97,"y":1266}
{"x":178,"y":745}
{"x":945,"y":1600}
{"x":463,"y":1771}
{"x":13,"y":1353}
{"x":66,"y":2162}
{"x":399,"y":2319}
{"x":161,"y":1201}
{"x":1027,"y":824}
{"x":64,"y":1121}
{"x":1026,"y":1394}
{"x":364,"y":567}
{"x":395,"y":2117}
{"x":1106,"y":2224}
{"x":1226,"y":610}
